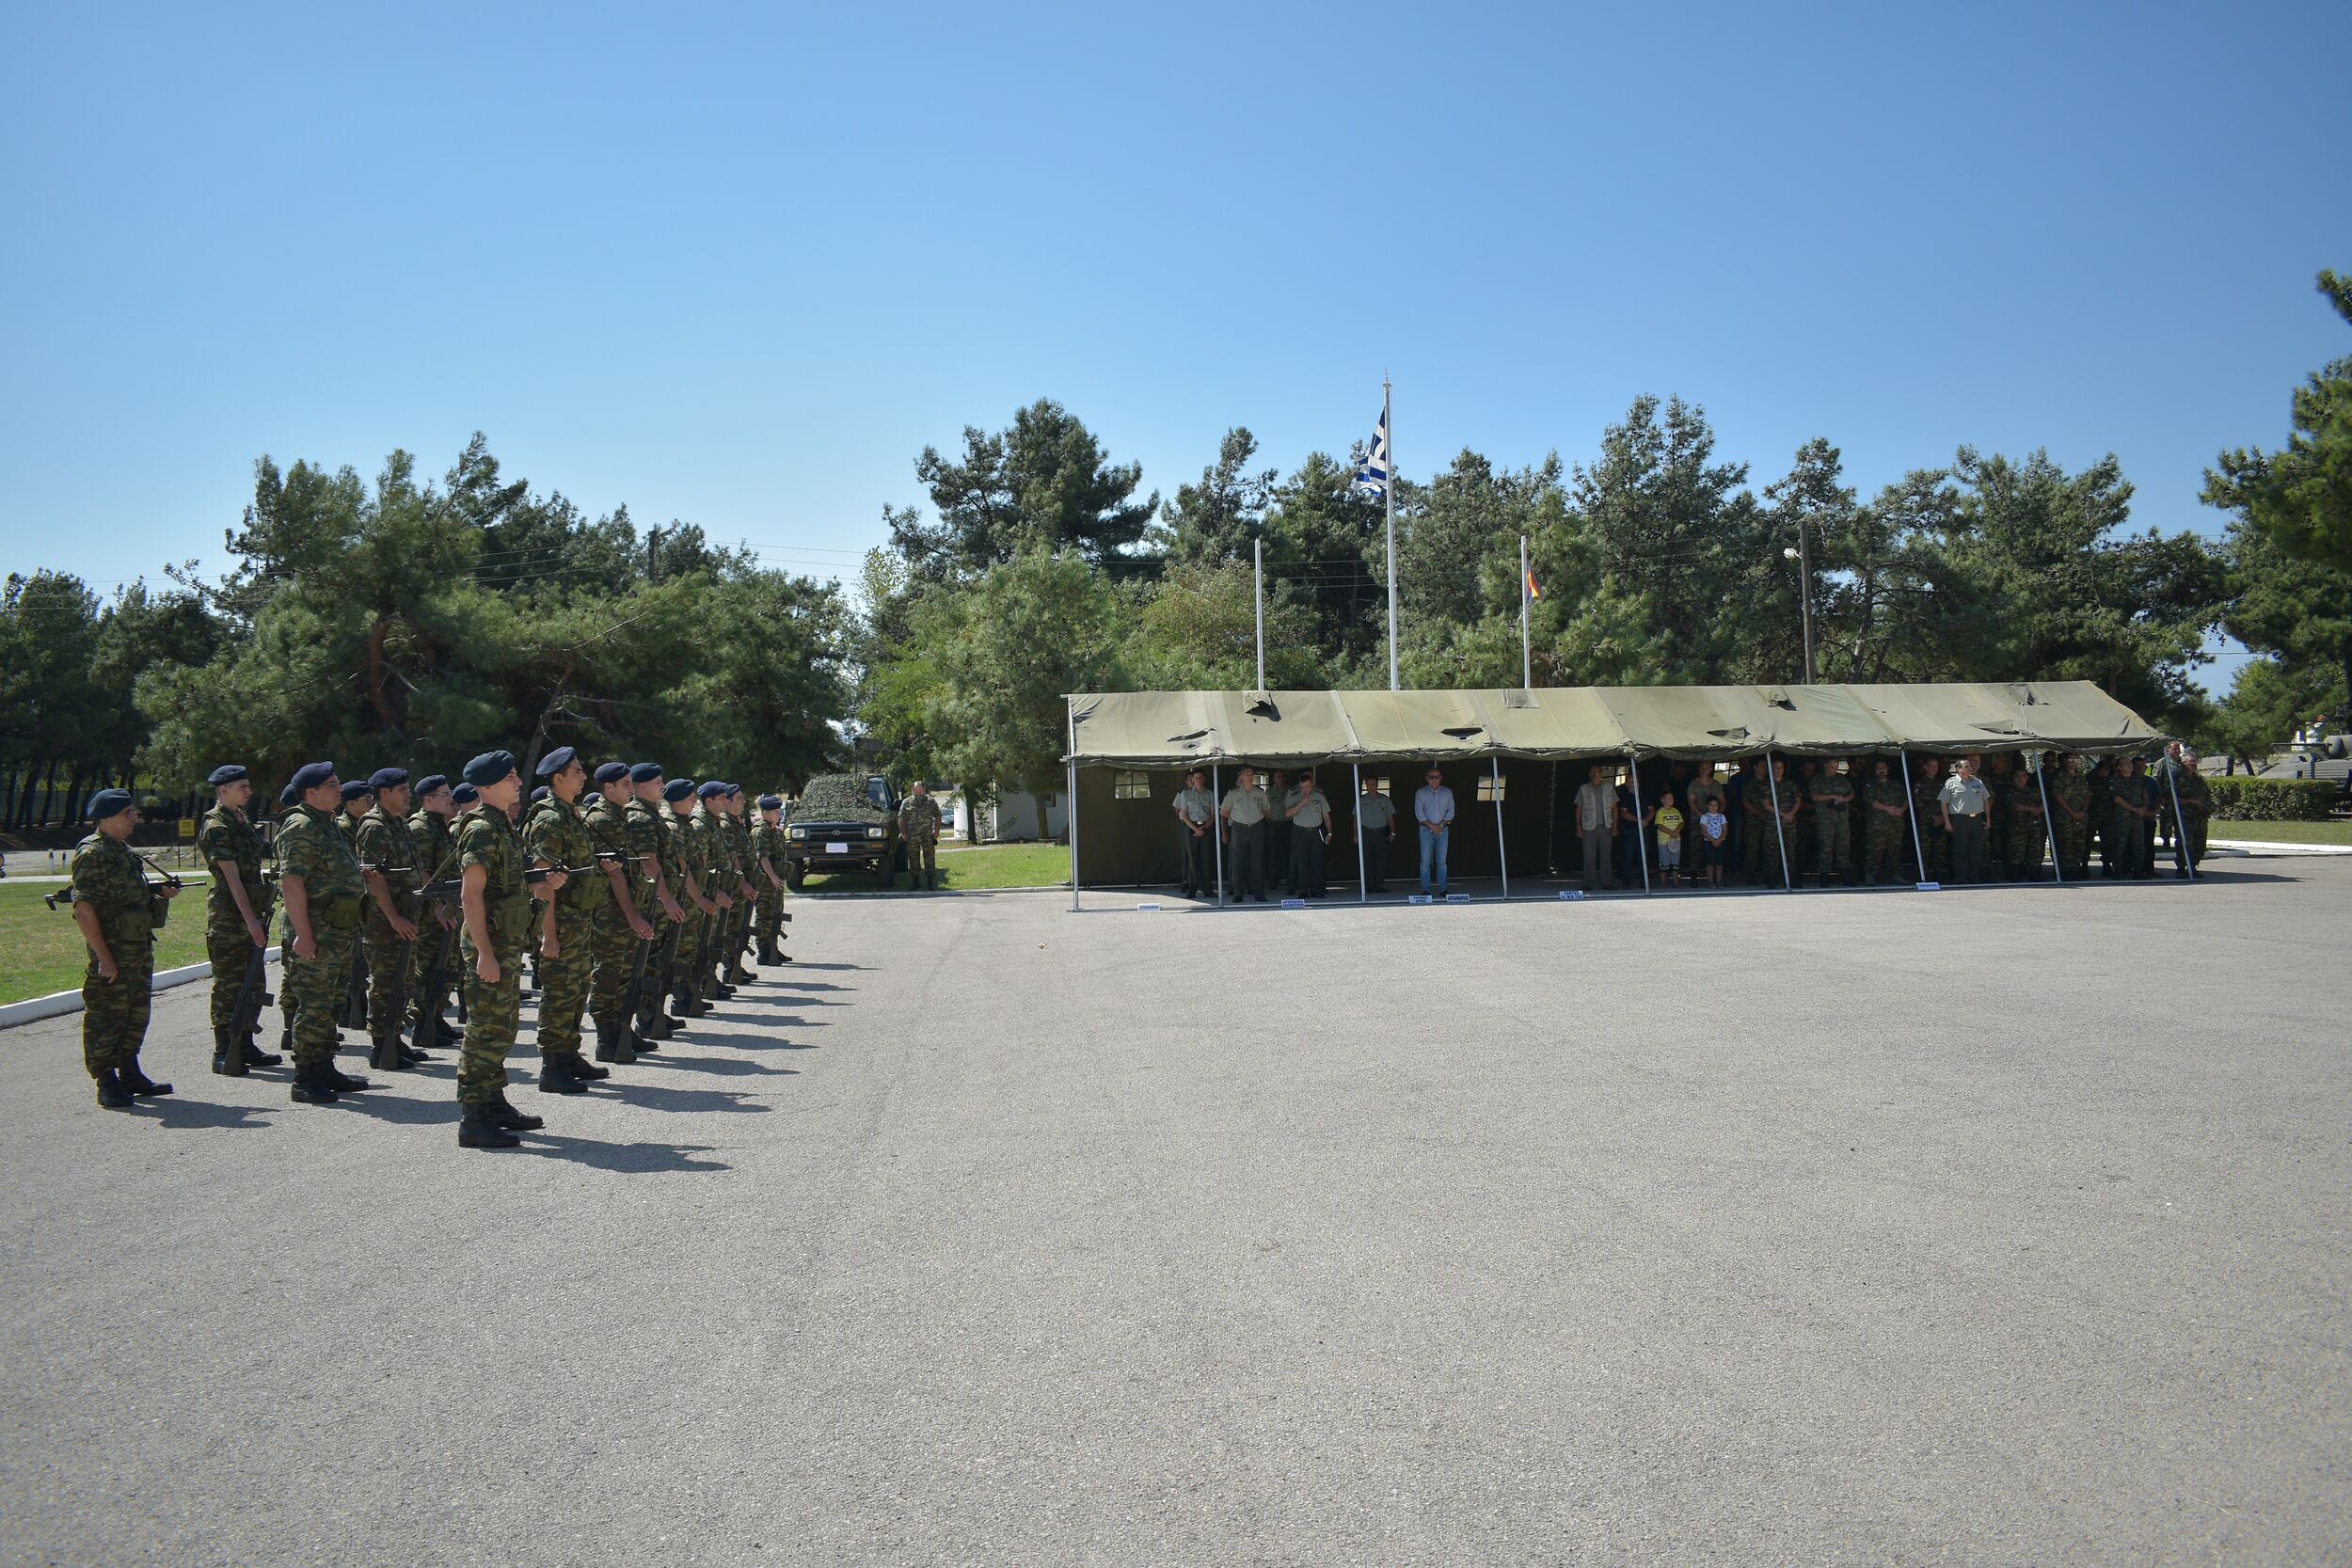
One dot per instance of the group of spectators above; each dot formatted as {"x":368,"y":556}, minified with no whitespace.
{"x":1763,"y":823}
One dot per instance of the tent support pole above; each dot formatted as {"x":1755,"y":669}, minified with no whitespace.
{"x":1911,"y":814}
{"x":1503,"y":856}
{"x":1364,"y":869}
{"x":1074,"y":805}
{"x":2180,"y":824}
{"x":1780,"y":832}
{"x":1217,"y":832}
{"x":1551,"y":827}
{"x":1641,"y":850}
{"x":2049,"y":822}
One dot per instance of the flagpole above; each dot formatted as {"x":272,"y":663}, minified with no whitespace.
{"x":1257,"y":551}
{"x":1389,"y":493}
{"x":1527,"y":666}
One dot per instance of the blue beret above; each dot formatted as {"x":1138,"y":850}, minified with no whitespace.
{"x":556,"y":761}
{"x":772,"y":802}
{"x":735,"y":789}
{"x":355,"y":788}
{"x":310,"y":776}
{"x":489,"y":767}
{"x":539,"y":794}
{"x":108,"y":802}
{"x":644,"y":772}
{"x":227,"y":774}
{"x":464,"y":794}
{"x":611,"y":773}
{"x":676,"y":790}
{"x":387,"y":778}
{"x":432,"y":782}
{"x":288,"y":795}
{"x":713,"y":788}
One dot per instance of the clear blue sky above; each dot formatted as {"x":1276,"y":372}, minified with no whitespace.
{"x":738,"y":266}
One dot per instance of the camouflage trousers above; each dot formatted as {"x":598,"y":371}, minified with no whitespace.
{"x":771,"y":921}
{"x":680,"y":980}
{"x":392,"y":974}
{"x":493,"y":1012}
{"x":1836,"y":841}
{"x":612,"y":960}
{"x":1887,"y":851}
{"x":423,"y":1007}
{"x":113,"y":1012}
{"x":656,"y":985}
{"x":2026,"y":845}
{"x":564,"y":985}
{"x":231,"y":949}
{"x":2073,"y":846}
{"x":922,"y":858}
{"x":1759,"y":854}
{"x":314,"y":992}
{"x":1936,"y":849}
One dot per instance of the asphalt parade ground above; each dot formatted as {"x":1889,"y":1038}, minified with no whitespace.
{"x":2005,"y":1225}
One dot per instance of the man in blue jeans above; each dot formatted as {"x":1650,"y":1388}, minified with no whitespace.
{"x":1433,"y":807}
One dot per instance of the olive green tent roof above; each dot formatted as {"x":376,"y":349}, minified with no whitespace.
{"x":1162,"y":729}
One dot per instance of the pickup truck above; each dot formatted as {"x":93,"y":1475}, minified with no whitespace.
{"x":844,"y":822}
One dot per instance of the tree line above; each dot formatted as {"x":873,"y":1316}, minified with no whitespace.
{"x":402,"y":622}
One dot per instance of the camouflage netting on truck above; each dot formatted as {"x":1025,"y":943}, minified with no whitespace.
{"x":836,"y":798}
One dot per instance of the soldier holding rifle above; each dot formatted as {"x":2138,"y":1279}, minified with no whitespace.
{"x":236,"y":921}
{"x":117,"y":911}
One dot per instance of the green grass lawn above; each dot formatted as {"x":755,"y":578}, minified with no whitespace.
{"x":986,"y":866}
{"x":2283,"y":832}
{"x":41,"y":948}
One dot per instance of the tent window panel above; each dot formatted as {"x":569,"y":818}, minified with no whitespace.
{"x":1490,"y":788}
{"x":1131,"y":784}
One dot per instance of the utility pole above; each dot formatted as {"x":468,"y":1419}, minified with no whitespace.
{"x":653,"y":557}
{"x":1257,"y":552}
{"x":1389,"y":494}
{"x":1801,"y":553}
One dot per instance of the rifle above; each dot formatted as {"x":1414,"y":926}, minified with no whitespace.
{"x":668,"y":967}
{"x":633,"y":995}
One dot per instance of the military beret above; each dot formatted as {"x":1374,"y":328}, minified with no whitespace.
{"x":677,"y":789}
{"x":538,"y":795}
{"x":288,"y":795}
{"x":735,"y":789}
{"x":489,"y":767}
{"x":556,"y":761}
{"x":644,"y":772}
{"x":109,"y":802}
{"x":611,"y":773}
{"x":432,"y":782}
{"x":464,"y":794}
{"x":772,"y":802}
{"x":357,"y":788}
{"x":387,"y":778}
{"x":227,"y":774}
{"x":711,"y":788}
{"x":310,"y":776}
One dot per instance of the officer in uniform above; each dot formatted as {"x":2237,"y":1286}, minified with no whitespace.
{"x":1833,"y":795}
{"x":693,"y":866}
{"x":1244,"y":813}
{"x":2127,"y":834}
{"x":556,"y":835}
{"x":1886,"y":842}
{"x":1926,"y":810}
{"x":436,"y":861}
{"x":1309,"y":813}
{"x":918,"y":830}
{"x":2027,"y":827}
{"x":1376,"y":831}
{"x":1964,"y":804}
{"x":324,"y":889}
{"x":2070,"y":800}
{"x":117,"y":913}
{"x":496,"y":905}
{"x":1196,"y":824}
{"x":657,"y":862}
{"x":716,"y":871}
{"x":1759,"y":840}
{"x":739,"y":828}
{"x":2196,"y":814}
{"x":767,"y":859}
{"x":617,"y":924}
{"x":236,"y":915}
{"x":386,"y":848}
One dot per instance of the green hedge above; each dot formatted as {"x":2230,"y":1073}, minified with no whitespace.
{"x":2271,"y":799}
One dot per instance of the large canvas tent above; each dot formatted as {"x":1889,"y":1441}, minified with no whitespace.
{"x":1128,"y":751}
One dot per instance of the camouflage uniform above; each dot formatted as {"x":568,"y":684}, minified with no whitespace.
{"x":1759,"y":851}
{"x":487,"y":839}
{"x":354,"y":965}
{"x":738,"y":834}
{"x":768,"y":845}
{"x":2027,"y":828}
{"x":436,"y":861}
{"x":226,"y":835}
{"x":1886,"y":840}
{"x":648,"y":835}
{"x":313,"y":848}
{"x":611,"y":942}
{"x":918,"y":830}
{"x":712,"y":869}
{"x":557,"y":834}
{"x":2196,"y":811}
{"x":2071,"y":790}
{"x":1832,"y":796}
{"x":110,"y":878}
{"x":2128,"y":852}
{"x":1935,"y":840}
{"x":386,"y":843}
{"x":686,"y":842}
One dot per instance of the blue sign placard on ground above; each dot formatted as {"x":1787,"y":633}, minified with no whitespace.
{"x":1148,"y":909}
{"x":1929,"y":887}
{"x":1458,"y":898}
{"x":1293,"y":903}
{"x":1418,"y":899}
{"x":1571,"y":892}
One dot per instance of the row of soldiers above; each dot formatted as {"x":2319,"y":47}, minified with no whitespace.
{"x":630,"y":889}
{"x":1976,"y":817}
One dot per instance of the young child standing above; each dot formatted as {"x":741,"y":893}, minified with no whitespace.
{"x":1713,"y":827}
{"x":1667,"y":821}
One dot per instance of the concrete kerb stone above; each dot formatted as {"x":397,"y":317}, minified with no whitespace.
{"x":56,"y":1004}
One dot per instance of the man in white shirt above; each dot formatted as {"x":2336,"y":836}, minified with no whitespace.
{"x":1309,"y":813}
{"x":1245,"y":813}
{"x":1964,"y":801}
{"x":1433,"y":808}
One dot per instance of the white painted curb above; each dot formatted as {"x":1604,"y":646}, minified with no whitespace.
{"x":56,"y":1005}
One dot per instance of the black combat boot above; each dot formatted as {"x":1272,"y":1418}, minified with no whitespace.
{"x":255,"y":1056}
{"x":339,"y":1081}
{"x":310,"y":1087}
{"x":606,"y":1050}
{"x":555,"y":1075}
{"x":582,"y":1069}
{"x":227,"y":1063}
{"x":613,"y":1043}
{"x":136,"y":1081}
{"x":112,"y":1096}
{"x":389,"y":1055}
{"x":445,"y":1037}
{"x":501,"y":1113}
{"x":475,"y":1129}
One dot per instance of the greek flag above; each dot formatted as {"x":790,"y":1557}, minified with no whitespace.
{"x":1371,"y":474}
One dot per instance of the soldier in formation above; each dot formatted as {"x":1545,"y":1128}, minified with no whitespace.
{"x":387,"y":848}
{"x":768,"y":859}
{"x":118,"y":910}
{"x":236,"y":920}
{"x":557,"y":840}
{"x":617,"y":930}
{"x":320,"y":877}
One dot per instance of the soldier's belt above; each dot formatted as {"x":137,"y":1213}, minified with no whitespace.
{"x":340,"y":914}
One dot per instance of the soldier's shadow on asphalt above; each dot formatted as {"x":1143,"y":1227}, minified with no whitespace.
{"x":656,"y":1097}
{"x":630,"y":1159}
{"x":800,"y":964}
{"x":175,"y":1111}
{"x":399,"y":1108}
{"x":726,"y":1067}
